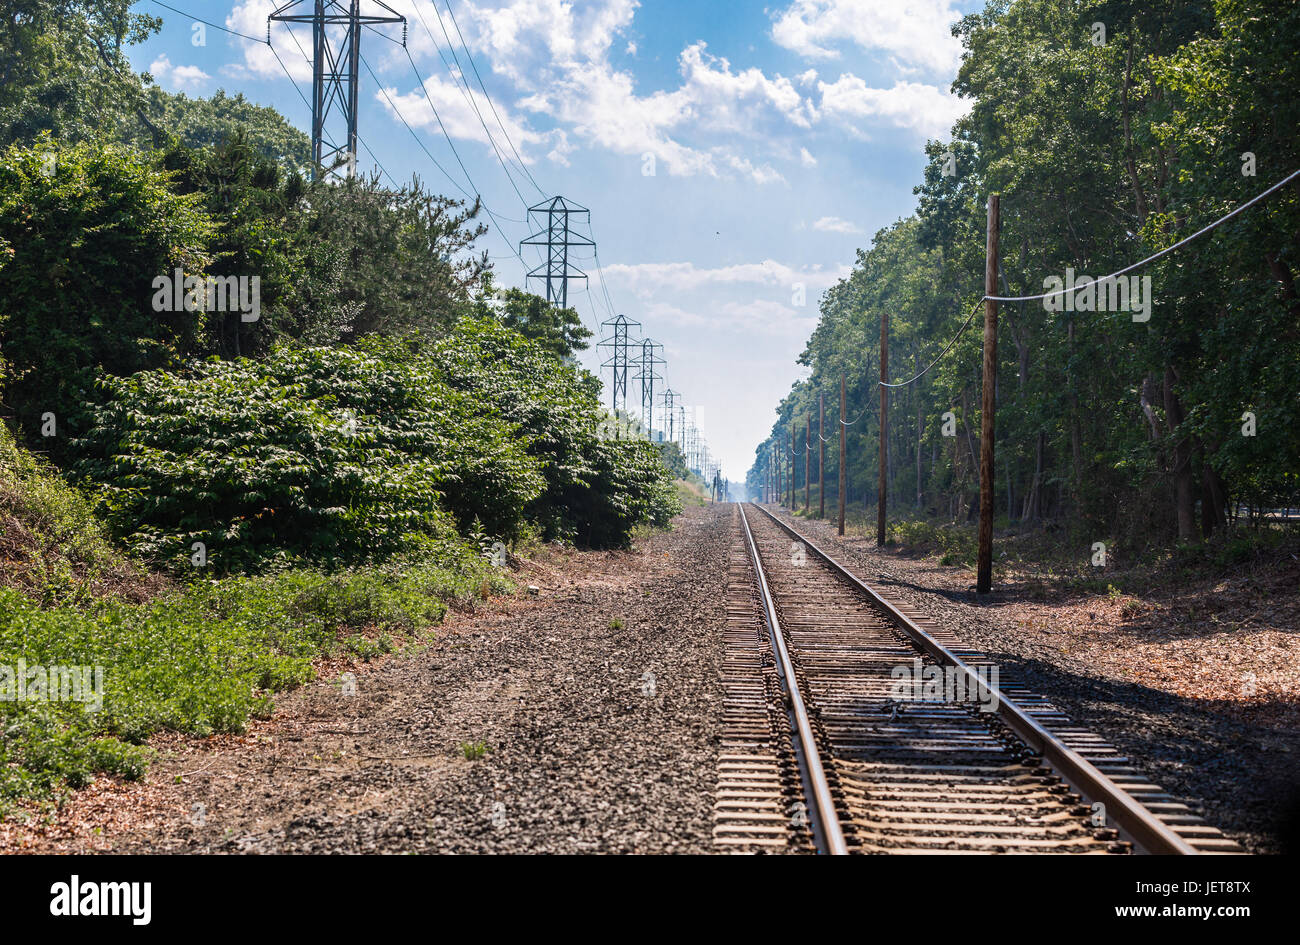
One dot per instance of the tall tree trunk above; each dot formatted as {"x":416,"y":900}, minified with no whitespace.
{"x":1034,"y":502}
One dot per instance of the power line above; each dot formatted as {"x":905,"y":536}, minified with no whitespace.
{"x":466,"y":91}
{"x":215,"y":26}
{"x":518,"y":158}
{"x":400,"y":117}
{"x":1154,"y":256}
{"x":454,"y":152}
{"x":1102,"y":280}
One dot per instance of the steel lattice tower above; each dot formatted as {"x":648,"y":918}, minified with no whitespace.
{"x":557,"y":236}
{"x":670,"y":412}
{"x":334,"y":62}
{"x":647,"y":376}
{"x":619,"y":342}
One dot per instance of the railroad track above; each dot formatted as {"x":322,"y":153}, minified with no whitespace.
{"x":855,"y":725}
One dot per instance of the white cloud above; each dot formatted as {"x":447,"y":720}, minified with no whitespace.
{"x":177,"y":77}
{"x":250,"y":17}
{"x":915,"y":32}
{"x":835,"y":225}
{"x":453,"y":104}
{"x":727,"y":101}
{"x":685,"y":276}
{"x":926,"y":109}
{"x":806,"y":158}
{"x":765,"y":316}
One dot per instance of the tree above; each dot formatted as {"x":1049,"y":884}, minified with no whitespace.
{"x":559,"y":331}
{"x":89,"y":228}
{"x":64,"y":70}
{"x":216,"y":121}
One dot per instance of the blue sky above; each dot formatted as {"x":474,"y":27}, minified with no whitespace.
{"x":781,"y":135}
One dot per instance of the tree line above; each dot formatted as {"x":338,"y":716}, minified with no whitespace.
{"x":1111,"y":130}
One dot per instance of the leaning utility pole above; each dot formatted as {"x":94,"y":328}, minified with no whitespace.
{"x":844,"y":432}
{"x":336,"y":53}
{"x":618,"y":341}
{"x":881,"y":482}
{"x":556,"y":235}
{"x":984,"y":553}
{"x":821,"y":452}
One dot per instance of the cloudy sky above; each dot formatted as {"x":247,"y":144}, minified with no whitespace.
{"x":733,"y":155}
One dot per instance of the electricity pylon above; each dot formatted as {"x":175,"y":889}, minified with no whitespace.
{"x":670,"y":411}
{"x":647,"y":376}
{"x":619,"y":341}
{"x":334,"y":59}
{"x":557,"y":236}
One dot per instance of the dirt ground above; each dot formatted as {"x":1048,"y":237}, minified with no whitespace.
{"x":593,"y":710}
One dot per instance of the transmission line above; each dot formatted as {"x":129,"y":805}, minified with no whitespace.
{"x":466,"y":91}
{"x":1100,"y":281}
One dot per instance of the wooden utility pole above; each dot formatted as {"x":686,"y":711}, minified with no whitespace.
{"x":844,"y":432}
{"x":821,"y":452}
{"x":792,"y":466}
{"x":807,"y":460}
{"x":984,"y":553}
{"x":776,"y":473}
{"x":881,"y":483}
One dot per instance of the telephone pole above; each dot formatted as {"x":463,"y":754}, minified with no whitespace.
{"x":807,"y":459}
{"x":336,"y":27}
{"x":844,"y":432}
{"x":821,"y":452}
{"x":881,"y":482}
{"x":984,"y":552}
{"x":792,"y":466}
{"x":556,"y":235}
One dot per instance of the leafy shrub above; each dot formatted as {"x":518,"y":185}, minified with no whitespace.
{"x":52,"y":547}
{"x":200,"y":660}
{"x":342,"y":455}
{"x":596,"y":490}
{"x":324,"y":455}
{"x":87,"y":233}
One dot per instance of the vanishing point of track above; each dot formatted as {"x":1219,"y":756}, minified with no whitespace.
{"x":826,"y":749}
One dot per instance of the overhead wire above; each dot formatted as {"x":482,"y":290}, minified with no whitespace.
{"x":466,"y":92}
{"x":1099,"y":281}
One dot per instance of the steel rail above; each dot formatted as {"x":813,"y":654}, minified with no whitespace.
{"x":817,"y":788}
{"x":1132,"y":820}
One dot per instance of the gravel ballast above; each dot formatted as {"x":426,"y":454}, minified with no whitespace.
{"x":1157,"y":686}
{"x":591,"y":712}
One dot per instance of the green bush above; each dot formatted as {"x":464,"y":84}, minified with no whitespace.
{"x":330,"y":456}
{"x":335,"y":456}
{"x":596,"y":490}
{"x":201,"y":660}
{"x":52,"y":547}
{"x":87,"y":231}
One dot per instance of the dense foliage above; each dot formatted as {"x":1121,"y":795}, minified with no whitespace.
{"x":342,"y":455}
{"x":83,"y":233}
{"x":1103,"y":154}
